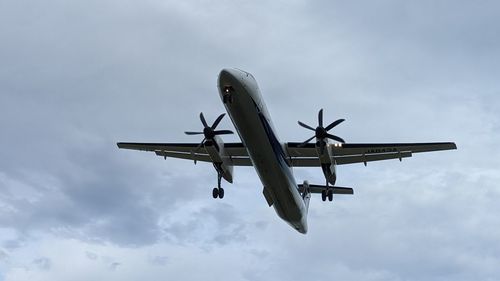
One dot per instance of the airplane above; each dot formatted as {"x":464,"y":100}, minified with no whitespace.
{"x":274,"y":160}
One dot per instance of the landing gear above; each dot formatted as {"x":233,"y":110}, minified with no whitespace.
{"x":227,"y":97}
{"x":328,"y":193}
{"x":218,"y":192}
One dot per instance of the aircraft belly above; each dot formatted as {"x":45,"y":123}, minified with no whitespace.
{"x":278,"y":179}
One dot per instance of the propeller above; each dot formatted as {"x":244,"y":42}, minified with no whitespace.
{"x":321,"y":132}
{"x":209,"y":132}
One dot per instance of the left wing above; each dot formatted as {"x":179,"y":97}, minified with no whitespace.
{"x":349,"y":153}
{"x":236,"y":152}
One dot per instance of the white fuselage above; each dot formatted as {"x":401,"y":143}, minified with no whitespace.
{"x":253,"y":124}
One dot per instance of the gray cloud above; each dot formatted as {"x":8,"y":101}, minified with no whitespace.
{"x":42,"y":263}
{"x":215,"y":224}
{"x":114,"y":266}
{"x":77,"y":77}
{"x":92,"y":256}
{"x":159,"y":260}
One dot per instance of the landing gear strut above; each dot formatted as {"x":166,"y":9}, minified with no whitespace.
{"x":218,"y":191}
{"x":227,"y":96}
{"x":328,"y":193}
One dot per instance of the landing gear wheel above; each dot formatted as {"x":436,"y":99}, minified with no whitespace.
{"x":323,"y":195}
{"x":218,"y":191}
{"x":330,"y":195}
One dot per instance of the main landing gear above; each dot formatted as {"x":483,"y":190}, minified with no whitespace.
{"x":328,"y":193}
{"x":218,"y":192}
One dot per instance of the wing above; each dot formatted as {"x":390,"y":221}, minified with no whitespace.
{"x":298,"y":156}
{"x":236,"y":152}
{"x":349,"y":153}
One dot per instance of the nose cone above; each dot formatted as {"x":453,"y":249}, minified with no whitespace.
{"x":228,"y":76}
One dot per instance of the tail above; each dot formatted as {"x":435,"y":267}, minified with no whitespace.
{"x":314,"y":188}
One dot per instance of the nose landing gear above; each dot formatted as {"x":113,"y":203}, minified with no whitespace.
{"x":218,"y":192}
{"x":227,"y":96}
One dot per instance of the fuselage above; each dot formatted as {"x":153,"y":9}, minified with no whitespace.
{"x":244,"y":104}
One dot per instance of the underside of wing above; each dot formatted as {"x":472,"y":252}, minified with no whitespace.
{"x":298,"y":155}
{"x":373,"y":148}
{"x":235,"y":152}
{"x":349,"y":153}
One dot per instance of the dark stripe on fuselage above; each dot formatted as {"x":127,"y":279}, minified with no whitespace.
{"x":277,"y":148}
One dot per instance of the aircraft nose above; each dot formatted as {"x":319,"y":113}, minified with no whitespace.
{"x":227,"y":76}
{"x":228,"y":81}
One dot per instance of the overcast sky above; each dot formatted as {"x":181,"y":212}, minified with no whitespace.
{"x":78,"y":76}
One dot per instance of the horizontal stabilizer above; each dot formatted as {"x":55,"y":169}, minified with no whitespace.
{"x":314,"y":188}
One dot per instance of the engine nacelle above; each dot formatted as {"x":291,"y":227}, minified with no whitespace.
{"x":220,"y":159}
{"x":327,"y":160}
{"x":330,"y":173}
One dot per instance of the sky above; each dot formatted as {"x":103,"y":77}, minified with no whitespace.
{"x":78,"y":76}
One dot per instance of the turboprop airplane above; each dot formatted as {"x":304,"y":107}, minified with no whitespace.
{"x":273,"y":160}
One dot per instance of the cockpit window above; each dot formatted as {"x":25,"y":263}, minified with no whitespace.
{"x":247,"y":73}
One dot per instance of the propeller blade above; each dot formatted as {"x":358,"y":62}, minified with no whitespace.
{"x":203,"y":121}
{"x":329,"y":127}
{"x":335,"y":138}
{"x":199,"y":146}
{"x":193,"y":133}
{"x":320,"y":117}
{"x":306,"y":142}
{"x":217,"y":121}
{"x":193,"y":152}
{"x":306,"y":126}
{"x":223,"y":132}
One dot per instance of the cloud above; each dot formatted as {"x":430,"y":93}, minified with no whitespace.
{"x":77,"y":77}
{"x":92,"y":256}
{"x":114,"y":266}
{"x":159,"y":260}
{"x":42,"y":263}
